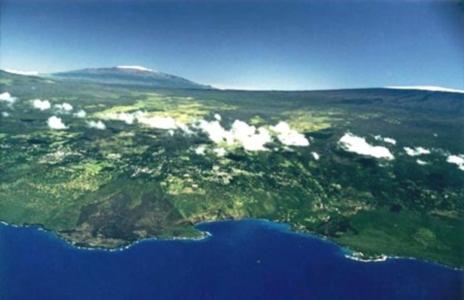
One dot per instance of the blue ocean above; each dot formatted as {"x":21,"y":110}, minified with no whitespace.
{"x":248,"y":259}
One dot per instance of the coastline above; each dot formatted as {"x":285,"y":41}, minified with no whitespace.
{"x":359,"y":256}
{"x":278,"y":226}
{"x":69,"y":242}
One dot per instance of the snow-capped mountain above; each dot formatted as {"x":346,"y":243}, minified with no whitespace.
{"x":131,"y":75}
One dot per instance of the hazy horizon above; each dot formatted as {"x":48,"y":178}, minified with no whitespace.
{"x":295,"y":45}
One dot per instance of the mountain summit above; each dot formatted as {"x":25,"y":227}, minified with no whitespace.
{"x":135,"y":68}
{"x":131,"y":75}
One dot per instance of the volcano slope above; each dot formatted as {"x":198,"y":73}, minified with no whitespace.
{"x":379,"y":171}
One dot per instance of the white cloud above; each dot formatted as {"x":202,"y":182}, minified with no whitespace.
{"x":250,"y":137}
{"x":416,"y":151}
{"x":159,"y":122}
{"x":6,"y":97}
{"x":247,"y":136}
{"x":216,"y":132}
{"x":64,"y":107}
{"x":241,"y":134}
{"x":389,"y":140}
{"x":41,"y":104}
{"x":56,"y":123}
{"x":427,"y":88}
{"x":315,"y":155}
{"x":289,"y":136}
{"x":80,"y":114}
{"x":96,"y":124}
{"x":457,"y":160}
{"x":421,"y":162}
{"x":359,"y":145}
{"x":19,"y":72}
{"x":385,"y":139}
{"x":5,"y":114}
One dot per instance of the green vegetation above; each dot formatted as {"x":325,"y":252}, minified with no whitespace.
{"x":111,"y":187}
{"x":308,"y":121}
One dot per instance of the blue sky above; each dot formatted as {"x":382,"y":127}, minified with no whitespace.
{"x":244,"y":44}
